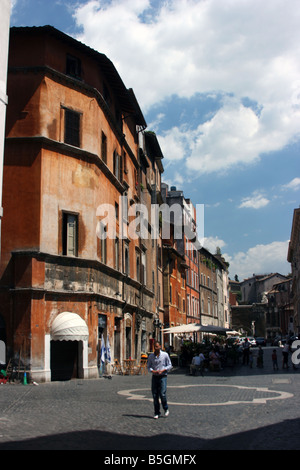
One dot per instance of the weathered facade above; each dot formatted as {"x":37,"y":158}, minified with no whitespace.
{"x":208,"y":288}
{"x":72,"y":147}
{"x":254,"y":289}
{"x":4,"y":40}
{"x":174,"y":276}
{"x":293,"y":257}
{"x":280,"y":310}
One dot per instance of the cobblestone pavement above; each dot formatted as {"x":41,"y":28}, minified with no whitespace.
{"x":236,"y":408}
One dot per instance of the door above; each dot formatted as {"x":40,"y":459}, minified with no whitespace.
{"x":64,"y":360}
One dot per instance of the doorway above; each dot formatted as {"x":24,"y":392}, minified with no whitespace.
{"x":64,"y":360}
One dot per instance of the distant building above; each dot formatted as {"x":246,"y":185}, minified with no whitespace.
{"x":280,"y":310}
{"x":234,"y":292}
{"x":255,"y":288}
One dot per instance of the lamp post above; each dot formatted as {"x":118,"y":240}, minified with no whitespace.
{"x":157,"y":325}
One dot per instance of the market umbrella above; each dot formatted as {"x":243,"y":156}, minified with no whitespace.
{"x":196,"y":327}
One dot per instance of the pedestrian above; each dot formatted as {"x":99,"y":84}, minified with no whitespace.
{"x":260,"y":357}
{"x":159,"y":364}
{"x":246,"y":349}
{"x":285,"y":356}
{"x":274,"y":360}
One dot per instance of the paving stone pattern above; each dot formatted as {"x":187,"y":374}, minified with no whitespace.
{"x":93,"y":414}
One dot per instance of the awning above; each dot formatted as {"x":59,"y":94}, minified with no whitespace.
{"x":233,"y":333}
{"x":196,"y":327}
{"x":69,"y":327}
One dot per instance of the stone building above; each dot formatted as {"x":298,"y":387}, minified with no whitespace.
{"x":208,"y":288}
{"x":70,"y":272}
{"x":293,"y":257}
{"x":4,"y":40}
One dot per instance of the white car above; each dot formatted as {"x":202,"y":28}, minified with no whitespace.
{"x":252,"y":340}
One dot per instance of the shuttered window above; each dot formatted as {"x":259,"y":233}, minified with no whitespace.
{"x":70,"y":234}
{"x":72,"y":128}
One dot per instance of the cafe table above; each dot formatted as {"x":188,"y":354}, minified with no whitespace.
{"x":129,"y":365}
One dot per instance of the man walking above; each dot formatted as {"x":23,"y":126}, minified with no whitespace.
{"x":159,"y":364}
{"x":246,"y":350}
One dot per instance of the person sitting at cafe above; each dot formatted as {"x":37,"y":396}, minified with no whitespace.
{"x":197,"y":364}
{"x":214,"y":360}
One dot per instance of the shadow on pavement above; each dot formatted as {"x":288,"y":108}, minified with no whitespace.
{"x":281,"y":436}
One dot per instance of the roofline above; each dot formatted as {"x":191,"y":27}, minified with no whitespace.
{"x":126,"y":96}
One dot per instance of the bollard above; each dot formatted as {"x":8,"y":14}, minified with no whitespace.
{"x":25,"y":379}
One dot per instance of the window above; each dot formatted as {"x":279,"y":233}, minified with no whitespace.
{"x":73,"y":66}
{"x":117,"y":257}
{"x":125,"y":162}
{"x":103,"y":242}
{"x":117,"y":166}
{"x":117,"y":211}
{"x":144,"y":270}
{"x":126,"y":259}
{"x":72,"y":128}
{"x":125,"y":207}
{"x":104,"y":147}
{"x":70,"y":234}
{"x":138,"y":267}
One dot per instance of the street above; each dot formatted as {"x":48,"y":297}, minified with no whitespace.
{"x":235,"y":408}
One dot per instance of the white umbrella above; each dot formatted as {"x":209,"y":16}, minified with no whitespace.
{"x":233,"y":333}
{"x":196,"y":327}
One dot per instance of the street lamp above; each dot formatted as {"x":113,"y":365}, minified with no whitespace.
{"x":157,"y":324}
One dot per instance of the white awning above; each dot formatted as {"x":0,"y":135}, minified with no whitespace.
{"x":69,"y":327}
{"x":196,"y":327}
{"x":189,"y":328}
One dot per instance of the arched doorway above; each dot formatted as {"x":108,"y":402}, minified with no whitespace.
{"x":68,"y":347}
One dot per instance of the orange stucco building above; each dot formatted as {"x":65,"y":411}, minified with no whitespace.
{"x":72,"y":145}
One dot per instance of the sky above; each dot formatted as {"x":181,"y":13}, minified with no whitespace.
{"x":219,"y":83}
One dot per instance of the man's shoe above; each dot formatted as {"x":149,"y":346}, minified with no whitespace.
{"x":167,"y":413}
{"x":156,"y":416}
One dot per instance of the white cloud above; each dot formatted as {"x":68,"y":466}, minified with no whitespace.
{"x":294,"y":185}
{"x":255,"y":201}
{"x":260,"y":259}
{"x":194,"y":46}
{"x":173,"y":144}
{"x":212,"y":243}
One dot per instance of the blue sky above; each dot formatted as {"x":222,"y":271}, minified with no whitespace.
{"x":219,"y":83}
